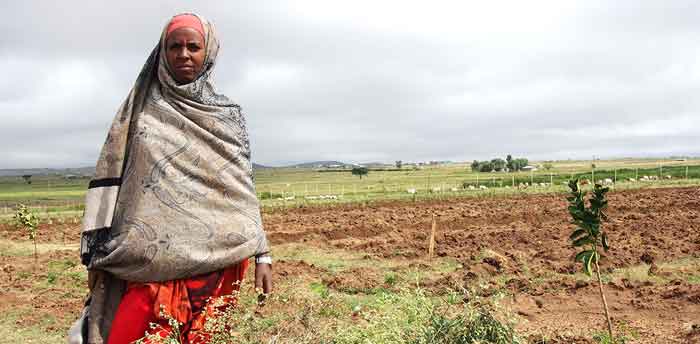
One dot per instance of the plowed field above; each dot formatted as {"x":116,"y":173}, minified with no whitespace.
{"x":653,"y":268}
{"x":515,"y":246}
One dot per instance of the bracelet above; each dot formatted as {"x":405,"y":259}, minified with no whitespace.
{"x":263,"y":260}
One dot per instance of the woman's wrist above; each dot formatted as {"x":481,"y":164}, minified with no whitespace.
{"x":263,"y":259}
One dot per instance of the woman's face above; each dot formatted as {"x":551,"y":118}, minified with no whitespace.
{"x":184,"y":50}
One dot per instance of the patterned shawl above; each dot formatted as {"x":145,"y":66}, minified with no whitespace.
{"x":173,"y":193}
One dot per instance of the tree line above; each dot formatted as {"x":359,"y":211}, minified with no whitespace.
{"x":498,"y":164}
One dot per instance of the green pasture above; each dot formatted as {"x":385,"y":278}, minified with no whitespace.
{"x":280,"y":187}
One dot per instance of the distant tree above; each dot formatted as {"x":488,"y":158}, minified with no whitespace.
{"x":509,"y":162}
{"x":475,"y":165}
{"x":399,"y":163}
{"x":485,"y":166}
{"x":548,"y":166}
{"x":360,"y":171}
{"x":519,"y":163}
{"x":27,"y":178}
{"x":498,"y":164}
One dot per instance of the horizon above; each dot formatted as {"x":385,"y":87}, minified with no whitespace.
{"x":292,"y":164}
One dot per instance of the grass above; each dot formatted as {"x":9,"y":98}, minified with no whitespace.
{"x":305,"y":309}
{"x":26,"y":248}
{"x":59,"y":196}
{"x":10,"y":333}
{"x":337,"y":260}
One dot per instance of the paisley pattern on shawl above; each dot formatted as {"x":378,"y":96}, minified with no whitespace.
{"x":173,"y":195}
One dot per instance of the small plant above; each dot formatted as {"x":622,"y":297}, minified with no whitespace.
{"x":624,"y":336}
{"x":29,"y":221}
{"x":588,"y":233}
{"x":161,"y":333}
{"x":51,"y":277}
{"x":390,"y":279}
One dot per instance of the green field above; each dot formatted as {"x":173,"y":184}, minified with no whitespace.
{"x":280,"y":187}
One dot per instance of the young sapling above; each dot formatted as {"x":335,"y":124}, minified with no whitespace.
{"x":29,"y":221}
{"x":588,"y":234}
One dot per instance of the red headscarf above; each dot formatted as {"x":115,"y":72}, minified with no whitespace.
{"x":185,"y":20}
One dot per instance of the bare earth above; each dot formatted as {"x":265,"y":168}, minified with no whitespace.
{"x":516,"y":244}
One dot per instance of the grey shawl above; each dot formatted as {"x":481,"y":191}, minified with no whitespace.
{"x":173,"y":193}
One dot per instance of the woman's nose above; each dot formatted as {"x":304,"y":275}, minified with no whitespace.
{"x":183,"y":53}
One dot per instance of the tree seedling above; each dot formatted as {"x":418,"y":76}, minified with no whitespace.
{"x":28,"y":220}
{"x":588,"y":234}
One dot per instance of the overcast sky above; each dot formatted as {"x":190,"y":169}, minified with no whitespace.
{"x":362,"y":81}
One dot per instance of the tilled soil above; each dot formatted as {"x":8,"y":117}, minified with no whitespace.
{"x":646,"y":226}
{"x":664,"y":224}
{"x":522,"y":240}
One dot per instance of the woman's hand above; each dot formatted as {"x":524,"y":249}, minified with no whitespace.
{"x":263,"y":281}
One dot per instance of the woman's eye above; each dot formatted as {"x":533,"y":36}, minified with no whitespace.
{"x":193,"y":47}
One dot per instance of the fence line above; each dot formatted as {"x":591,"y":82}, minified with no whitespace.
{"x":371,"y":187}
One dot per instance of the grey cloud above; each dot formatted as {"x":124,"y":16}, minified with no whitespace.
{"x":356,"y":90}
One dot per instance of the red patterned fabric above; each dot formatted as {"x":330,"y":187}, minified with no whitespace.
{"x":184,"y":300}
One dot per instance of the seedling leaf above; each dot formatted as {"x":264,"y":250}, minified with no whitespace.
{"x":577,"y":233}
{"x":604,"y":240}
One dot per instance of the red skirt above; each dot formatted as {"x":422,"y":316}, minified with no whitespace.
{"x":184,"y":300}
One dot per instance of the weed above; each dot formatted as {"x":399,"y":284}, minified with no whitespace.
{"x":626,"y":335}
{"x":390,"y":279}
{"x":320,"y":289}
{"x":51,"y":277}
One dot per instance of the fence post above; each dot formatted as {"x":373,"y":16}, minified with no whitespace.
{"x":615,"y":177}
{"x":513,"y":180}
{"x":636,"y":173}
{"x":686,"y":172}
{"x":477,"y":180}
{"x":431,"y":243}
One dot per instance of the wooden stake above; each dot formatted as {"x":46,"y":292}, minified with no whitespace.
{"x":431,"y":246}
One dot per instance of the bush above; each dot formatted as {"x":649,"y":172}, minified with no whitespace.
{"x":478,"y":327}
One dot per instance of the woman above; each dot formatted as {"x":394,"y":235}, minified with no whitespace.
{"x":171,"y":217}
